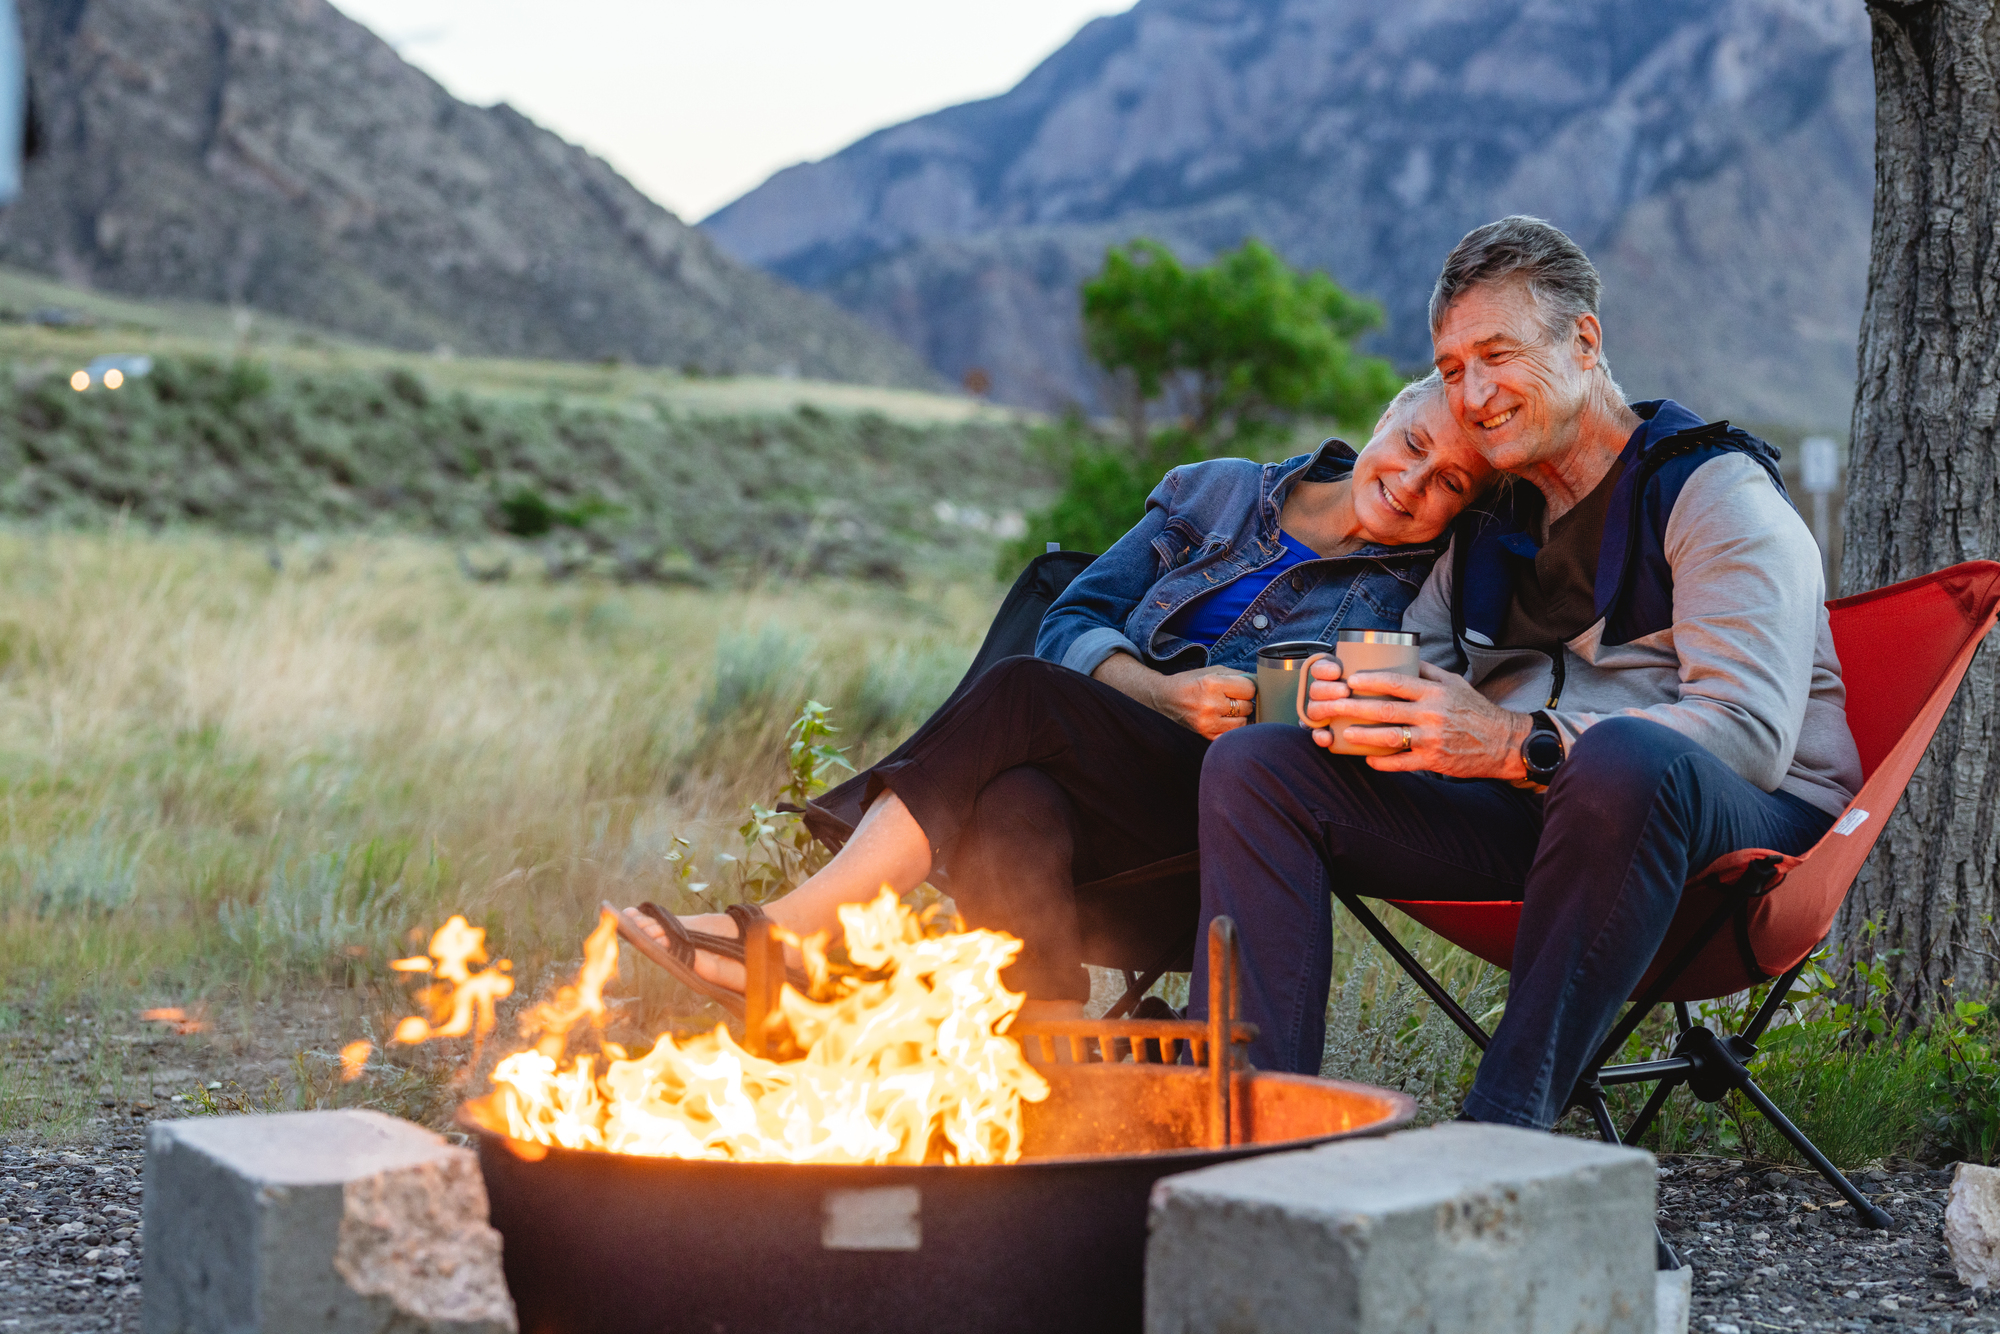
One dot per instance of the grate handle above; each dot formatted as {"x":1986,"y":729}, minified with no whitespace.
{"x":1224,"y":993}
{"x":764,"y":974}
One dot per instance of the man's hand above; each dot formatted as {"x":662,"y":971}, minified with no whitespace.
{"x":1210,"y":700}
{"x":1453,"y":729}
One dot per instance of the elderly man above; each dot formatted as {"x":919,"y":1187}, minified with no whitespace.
{"x":1627,"y":673}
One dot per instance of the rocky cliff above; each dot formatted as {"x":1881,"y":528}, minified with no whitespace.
{"x":275,"y":153}
{"x":1715,"y":156}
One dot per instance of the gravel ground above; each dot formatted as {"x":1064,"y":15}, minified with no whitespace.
{"x":1779,"y":1250}
{"x":1771,"y":1249}
{"x":70,"y":1240}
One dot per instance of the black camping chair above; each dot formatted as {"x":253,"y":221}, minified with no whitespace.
{"x":1141,"y":922}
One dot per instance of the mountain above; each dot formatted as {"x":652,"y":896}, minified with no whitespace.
{"x":276,"y":154}
{"x":1714,"y":156}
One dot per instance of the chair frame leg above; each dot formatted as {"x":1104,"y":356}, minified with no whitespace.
{"x":1710,"y":1066}
{"x":1417,"y":972}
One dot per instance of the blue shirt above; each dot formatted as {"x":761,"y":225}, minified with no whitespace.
{"x":1209,"y":617}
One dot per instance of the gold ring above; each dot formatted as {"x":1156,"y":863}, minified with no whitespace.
{"x":1409,"y":742}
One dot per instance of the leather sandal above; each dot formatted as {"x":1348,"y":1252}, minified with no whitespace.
{"x":677,"y":954}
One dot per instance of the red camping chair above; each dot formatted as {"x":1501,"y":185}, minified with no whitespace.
{"x":1903,"y":650}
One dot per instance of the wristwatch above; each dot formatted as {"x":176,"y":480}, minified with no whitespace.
{"x":1542,"y":752}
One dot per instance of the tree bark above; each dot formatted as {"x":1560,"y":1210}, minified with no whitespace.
{"x":1924,"y":468}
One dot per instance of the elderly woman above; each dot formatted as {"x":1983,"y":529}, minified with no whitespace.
{"x":1084,"y":762}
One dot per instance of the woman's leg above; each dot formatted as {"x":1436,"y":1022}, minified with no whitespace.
{"x":1012,"y":871}
{"x":1130,"y":774}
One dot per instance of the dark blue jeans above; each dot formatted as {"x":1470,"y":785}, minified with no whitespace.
{"x":1598,"y":864}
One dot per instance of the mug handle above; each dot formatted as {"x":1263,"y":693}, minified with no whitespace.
{"x":1305,"y":677}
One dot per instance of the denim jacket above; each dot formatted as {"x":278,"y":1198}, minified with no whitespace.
{"x":1207,"y":525}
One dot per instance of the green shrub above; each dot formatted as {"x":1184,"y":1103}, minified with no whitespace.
{"x":1105,"y":485}
{"x":90,"y":872}
{"x":319,"y":914}
{"x":757,"y":674}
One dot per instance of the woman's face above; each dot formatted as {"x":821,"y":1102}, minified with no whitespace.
{"x":1416,"y":474}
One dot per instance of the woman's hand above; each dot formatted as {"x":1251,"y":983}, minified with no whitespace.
{"x":1209,"y":700}
{"x":1452,"y":728}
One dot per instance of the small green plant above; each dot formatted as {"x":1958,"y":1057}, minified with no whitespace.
{"x":778,"y":851}
{"x":1965,"y":1083}
{"x":525,"y":513}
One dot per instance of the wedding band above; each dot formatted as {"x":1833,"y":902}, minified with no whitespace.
{"x":1409,"y":742}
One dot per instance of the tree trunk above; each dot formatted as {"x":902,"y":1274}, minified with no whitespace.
{"x":1925,"y":464}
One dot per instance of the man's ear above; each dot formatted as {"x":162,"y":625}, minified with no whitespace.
{"x":1588,"y":340}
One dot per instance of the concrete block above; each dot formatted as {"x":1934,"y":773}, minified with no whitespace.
{"x":1458,"y":1229}
{"x":1972,"y":1225}
{"x":338,"y":1222}
{"x":1673,"y":1300}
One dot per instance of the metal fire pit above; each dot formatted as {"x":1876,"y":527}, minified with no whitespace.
{"x":616,"y":1244}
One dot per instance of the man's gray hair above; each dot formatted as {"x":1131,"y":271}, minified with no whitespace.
{"x":1560,"y":277}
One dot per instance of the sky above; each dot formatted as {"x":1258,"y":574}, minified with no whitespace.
{"x":697,"y":101}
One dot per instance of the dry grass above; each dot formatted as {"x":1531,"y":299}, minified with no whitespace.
{"x":217,"y":776}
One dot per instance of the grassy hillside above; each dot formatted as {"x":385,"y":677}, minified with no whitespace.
{"x":51,"y":326}
{"x":265,"y":428}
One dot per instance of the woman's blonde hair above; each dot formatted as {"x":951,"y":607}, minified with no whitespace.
{"x":1419,"y":390}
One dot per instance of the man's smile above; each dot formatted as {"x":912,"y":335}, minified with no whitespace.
{"x":1496,"y":422}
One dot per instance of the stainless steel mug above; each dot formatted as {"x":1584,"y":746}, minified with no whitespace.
{"x":1280,"y":667}
{"x":1368,"y":651}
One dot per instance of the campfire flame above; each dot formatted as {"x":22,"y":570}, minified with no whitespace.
{"x":460,"y":999}
{"x":354,"y":1059}
{"x":178,"y":1019}
{"x":899,"y":1056}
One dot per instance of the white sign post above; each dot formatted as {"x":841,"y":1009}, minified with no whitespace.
{"x":1819,"y":474}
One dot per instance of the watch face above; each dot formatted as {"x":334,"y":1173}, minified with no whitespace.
{"x":1544,"y":751}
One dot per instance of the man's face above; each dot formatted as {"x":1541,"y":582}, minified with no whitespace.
{"x":1516,"y":391}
